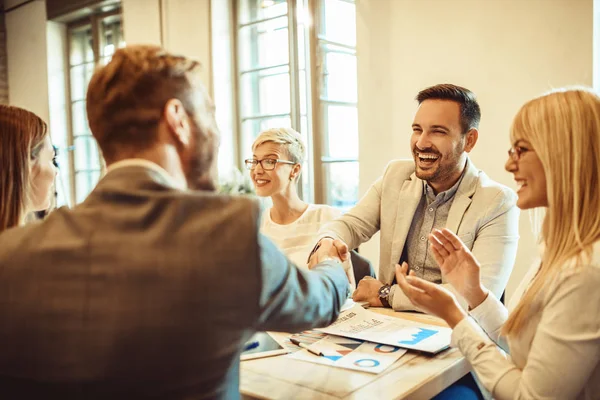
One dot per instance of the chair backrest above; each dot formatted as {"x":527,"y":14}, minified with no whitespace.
{"x":362,"y":266}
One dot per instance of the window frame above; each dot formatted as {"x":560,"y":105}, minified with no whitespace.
{"x":317,"y":44}
{"x":94,"y":21}
{"x":316,"y":129}
{"x":292,"y":68}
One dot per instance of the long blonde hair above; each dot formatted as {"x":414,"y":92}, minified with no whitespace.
{"x":563,"y":128}
{"x":22,"y":135}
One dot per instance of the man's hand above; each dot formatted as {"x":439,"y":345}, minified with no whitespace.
{"x":368,"y":290}
{"x":330,"y":249}
{"x":432,"y":298}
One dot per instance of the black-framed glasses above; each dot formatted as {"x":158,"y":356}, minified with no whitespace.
{"x":516,"y":152}
{"x":268,"y":164}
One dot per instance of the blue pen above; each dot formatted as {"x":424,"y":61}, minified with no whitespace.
{"x":251,"y":345}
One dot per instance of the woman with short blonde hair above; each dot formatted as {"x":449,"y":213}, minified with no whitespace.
{"x":26,"y":165}
{"x":552,"y":332}
{"x":275,"y":170}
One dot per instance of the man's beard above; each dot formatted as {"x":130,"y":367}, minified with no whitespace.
{"x":203,"y":172}
{"x":445,"y":167}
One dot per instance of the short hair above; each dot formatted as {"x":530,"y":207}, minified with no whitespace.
{"x":22,"y":135}
{"x":290,"y":140}
{"x":126,"y":97}
{"x":470,"y":113}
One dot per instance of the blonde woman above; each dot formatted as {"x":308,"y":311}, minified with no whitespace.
{"x":27,"y":170}
{"x":552,"y":332}
{"x":275,"y":169}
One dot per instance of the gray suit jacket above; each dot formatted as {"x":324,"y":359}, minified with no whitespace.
{"x":483,"y":214}
{"x":144,"y":290}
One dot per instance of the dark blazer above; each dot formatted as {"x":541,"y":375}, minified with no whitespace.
{"x":144,"y":290}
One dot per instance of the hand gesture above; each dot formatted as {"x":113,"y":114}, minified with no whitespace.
{"x":458,"y":265}
{"x":430,"y":297}
{"x":330,"y":249}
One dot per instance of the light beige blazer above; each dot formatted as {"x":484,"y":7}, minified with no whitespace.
{"x":483,"y":214}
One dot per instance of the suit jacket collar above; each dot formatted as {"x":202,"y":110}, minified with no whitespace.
{"x":128,"y":182}
{"x":462,"y":199}
{"x":408,"y":201}
{"x":147,"y":164}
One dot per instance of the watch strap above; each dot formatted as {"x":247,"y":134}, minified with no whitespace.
{"x":384,"y":293}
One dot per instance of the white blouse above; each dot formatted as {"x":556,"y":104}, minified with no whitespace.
{"x":297,"y":239}
{"x":556,"y":355}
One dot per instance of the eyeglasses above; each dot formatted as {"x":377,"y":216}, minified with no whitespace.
{"x":268,"y":164}
{"x":516,"y":152}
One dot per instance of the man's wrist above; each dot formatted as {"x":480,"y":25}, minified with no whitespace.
{"x":328,"y":258}
{"x":376,"y":302}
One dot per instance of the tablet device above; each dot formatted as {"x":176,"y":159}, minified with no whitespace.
{"x":261,"y":345}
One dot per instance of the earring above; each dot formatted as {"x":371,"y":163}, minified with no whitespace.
{"x":291,"y":178}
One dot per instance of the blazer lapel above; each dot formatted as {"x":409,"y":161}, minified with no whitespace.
{"x":462,"y":198}
{"x":408,"y":200}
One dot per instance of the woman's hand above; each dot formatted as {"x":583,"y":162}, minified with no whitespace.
{"x":458,"y":266}
{"x":432,"y":298}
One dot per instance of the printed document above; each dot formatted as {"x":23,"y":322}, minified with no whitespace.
{"x":361,"y":324}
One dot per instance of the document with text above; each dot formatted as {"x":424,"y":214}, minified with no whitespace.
{"x":358,"y":323}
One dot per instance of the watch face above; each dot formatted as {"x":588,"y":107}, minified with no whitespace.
{"x":384,"y":291}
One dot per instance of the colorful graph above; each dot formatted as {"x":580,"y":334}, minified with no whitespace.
{"x":419,"y":336}
{"x":366,"y":363}
{"x":384,"y":348}
{"x":353,"y":354}
{"x":343,"y":347}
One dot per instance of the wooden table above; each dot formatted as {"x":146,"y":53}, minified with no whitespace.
{"x":413,"y":376}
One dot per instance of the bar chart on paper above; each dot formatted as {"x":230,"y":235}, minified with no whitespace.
{"x":361,"y":324}
{"x":417,"y":337}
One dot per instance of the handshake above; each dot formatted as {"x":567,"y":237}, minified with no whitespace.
{"x":330,"y":249}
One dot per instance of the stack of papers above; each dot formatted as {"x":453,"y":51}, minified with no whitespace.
{"x":361,"y":324}
{"x":365,"y":341}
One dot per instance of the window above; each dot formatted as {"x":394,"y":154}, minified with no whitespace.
{"x":336,"y":116}
{"x":281,"y":85}
{"x":92,"y":41}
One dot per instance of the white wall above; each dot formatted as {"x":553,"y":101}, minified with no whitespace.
{"x":188,"y":32}
{"x":26,"y":56}
{"x":506,"y":51}
{"x":185,"y":27}
{"x":180,"y":26}
{"x":141,"y":21}
{"x":223,"y":81}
